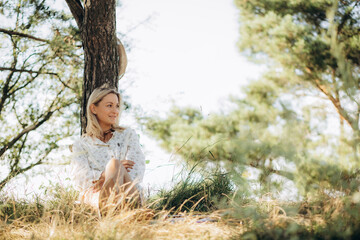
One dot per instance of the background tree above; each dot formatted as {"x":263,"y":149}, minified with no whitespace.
{"x":281,"y":128}
{"x":96,"y":20}
{"x":312,"y":44}
{"x":313,"y":49}
{"x":41,"y":75}
{"x":39,"y":84}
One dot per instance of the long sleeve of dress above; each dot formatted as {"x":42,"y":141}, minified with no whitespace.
{"x":135,"y":154}
{"x":81,"y":173}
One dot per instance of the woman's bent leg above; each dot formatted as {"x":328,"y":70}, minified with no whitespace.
{"x":117,"y":180}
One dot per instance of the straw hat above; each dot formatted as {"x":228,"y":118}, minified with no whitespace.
{"x":123,"y":58}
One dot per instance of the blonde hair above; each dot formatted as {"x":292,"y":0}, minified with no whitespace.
{"x":93,"y":128}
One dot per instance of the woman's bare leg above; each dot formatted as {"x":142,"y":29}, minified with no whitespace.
{"x":116,"y":179}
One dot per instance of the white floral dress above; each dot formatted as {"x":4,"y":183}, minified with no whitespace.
{"x":90,"y":156}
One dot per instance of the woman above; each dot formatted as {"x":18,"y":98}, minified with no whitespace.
{"x":107,"y":158}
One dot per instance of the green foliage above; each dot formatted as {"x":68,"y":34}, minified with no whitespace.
{"x":12,"y":209}
{"x":309,"y":42}
{"x":255,"y":133}
{"x":40,"y":84}
{"x":62,"y":202}
{"x":58,"y":201}
{"x":323,"y":218}
{"x":198,"y":191}
{"x":283,"y":128}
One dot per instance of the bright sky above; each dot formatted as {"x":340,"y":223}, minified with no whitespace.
{"x":185,"y":52}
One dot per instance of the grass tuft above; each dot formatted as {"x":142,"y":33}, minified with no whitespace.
{"x":199,"y":191}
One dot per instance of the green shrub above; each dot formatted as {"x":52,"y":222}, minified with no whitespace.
{"x":198,"y":191}
{"x":325,"y":218}
{"x":28,"y":211}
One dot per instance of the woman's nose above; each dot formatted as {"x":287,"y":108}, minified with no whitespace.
{"x":116,"y":110}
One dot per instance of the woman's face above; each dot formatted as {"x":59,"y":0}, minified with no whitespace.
{"x":107,"y":110}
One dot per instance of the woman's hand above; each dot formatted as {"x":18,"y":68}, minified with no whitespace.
{"x":99,"y":183}
{"x":128,"y":164}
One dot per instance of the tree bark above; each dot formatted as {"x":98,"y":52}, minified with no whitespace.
{"x":97,"y":23}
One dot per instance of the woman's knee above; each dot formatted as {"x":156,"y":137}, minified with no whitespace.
{"x":115,"y":165}
{"x":112,"y":167}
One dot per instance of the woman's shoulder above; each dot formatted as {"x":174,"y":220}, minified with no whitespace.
{"x":81,"y":142}
{"x":81,"y":139}
{"x":125,"y":131}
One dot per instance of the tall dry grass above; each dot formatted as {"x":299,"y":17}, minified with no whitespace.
{"x":61,"y":218}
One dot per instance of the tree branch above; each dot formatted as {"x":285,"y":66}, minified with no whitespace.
{"x":13,"y":174}
{"x":342,"y":113}
{"x":25,"y":131}
{"x":15,"y":164}
{"x":336,"y":103}
{"x":13,"y":33}
{"x":11,"y":91}
{"x":25,"y":70}
{"x":5,"y":88}
{"x":346,"y":16}
{"x":77,"y":11}
{"x":37,"y":72}
{"x":282,"y":173}
{"x":28,"y":129}
{"x":23,"y":125}
{"x":22,"y":69}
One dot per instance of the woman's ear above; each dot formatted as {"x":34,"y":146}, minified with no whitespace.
{"x":92,"y":108}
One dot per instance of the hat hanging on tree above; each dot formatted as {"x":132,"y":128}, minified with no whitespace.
{"x":123,"y":58}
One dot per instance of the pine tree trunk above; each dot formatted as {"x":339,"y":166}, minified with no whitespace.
{"x":97,"y":23}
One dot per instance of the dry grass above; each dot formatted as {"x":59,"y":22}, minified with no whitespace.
{"x":65,"y":221}
{"x":61,"y":218}
{"x":126,"y":225}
